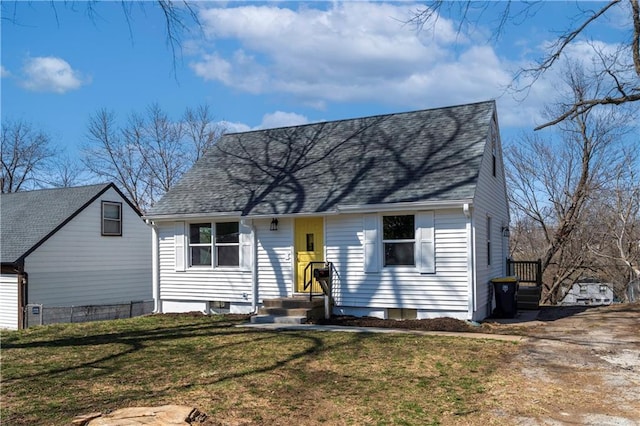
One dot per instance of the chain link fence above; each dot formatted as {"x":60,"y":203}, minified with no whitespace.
{"x":36,"y":314}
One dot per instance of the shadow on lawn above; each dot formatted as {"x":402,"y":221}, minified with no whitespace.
{"x":138,"y":340}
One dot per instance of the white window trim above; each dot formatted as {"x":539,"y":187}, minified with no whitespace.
{"x":119,"y":220}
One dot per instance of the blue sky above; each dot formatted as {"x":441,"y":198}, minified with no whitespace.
{"x":272,"y":64}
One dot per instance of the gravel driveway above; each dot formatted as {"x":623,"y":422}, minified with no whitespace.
{"x":576,"y":368}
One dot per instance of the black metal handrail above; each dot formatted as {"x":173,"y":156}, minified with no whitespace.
{"x":309,"y":276}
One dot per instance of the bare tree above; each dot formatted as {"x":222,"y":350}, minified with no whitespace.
{"x":64,"y":172}
{"x":114,"y":155}
{"x":551,"y":182}
{"x":150,"y":152}
{"x":616,"y":245}
{"x":618,"y":70}
{"x":163,"y":151}
{"x":26,"y":155}
{"x":199,"y":130}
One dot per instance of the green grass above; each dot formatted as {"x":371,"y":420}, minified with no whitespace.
{"x":244,"y":376}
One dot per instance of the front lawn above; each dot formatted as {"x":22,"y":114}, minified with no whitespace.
{"x":246,"y":376}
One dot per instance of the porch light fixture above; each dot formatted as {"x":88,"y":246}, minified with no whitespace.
{"x":505,"y":231}
{"x":274,"y":224}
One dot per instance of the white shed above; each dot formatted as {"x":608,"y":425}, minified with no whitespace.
{"x":409,"y":210}
{"x":70,"y":247}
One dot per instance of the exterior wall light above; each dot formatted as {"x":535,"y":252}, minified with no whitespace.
{"x":274,"y":224}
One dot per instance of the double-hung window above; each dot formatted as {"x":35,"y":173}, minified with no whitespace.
{"x":399,"y":240}
{"x":227,"y":244}
{"x":111,"y":219}
{"x":200,"y":244}
{"x":214,"y":244}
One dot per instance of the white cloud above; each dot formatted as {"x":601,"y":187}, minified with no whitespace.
{"x":236,"y":127}
{"x":282,"y":119}
{"x":4,"y":72}
{"x":269,"y":121}
{"x":51,"y":74}
{"x":361,"y":52}
{"x":350,"y":52}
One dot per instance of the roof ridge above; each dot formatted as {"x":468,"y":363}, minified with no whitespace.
{"x":391,"y":114}
{"x":96,"y":185}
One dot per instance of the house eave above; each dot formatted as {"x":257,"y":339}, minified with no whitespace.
{"x":411,"y":205}
{"x":346,"y":208}
{"x":187,"y":216}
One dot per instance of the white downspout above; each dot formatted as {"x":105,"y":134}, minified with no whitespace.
{"x":155,"y":267}
{"x":466,"y":208}
{"x":254,"y":270}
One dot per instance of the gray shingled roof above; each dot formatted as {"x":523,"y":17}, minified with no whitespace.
{"x":28,"y":218}
{"x":429,"y":155}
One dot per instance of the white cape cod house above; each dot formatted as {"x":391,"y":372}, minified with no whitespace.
{"x":410,"y":210}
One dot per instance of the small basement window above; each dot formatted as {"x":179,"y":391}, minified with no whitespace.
{"x":111,"y":219}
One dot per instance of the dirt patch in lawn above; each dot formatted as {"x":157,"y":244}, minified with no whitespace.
{"x":578,"y":365}
{"x":435,"y":324}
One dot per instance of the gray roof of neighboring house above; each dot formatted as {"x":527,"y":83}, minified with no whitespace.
{"x":29,"y":218}
{"x":428,"y":155}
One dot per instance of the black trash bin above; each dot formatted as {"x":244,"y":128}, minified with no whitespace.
{"x":506,"y":294}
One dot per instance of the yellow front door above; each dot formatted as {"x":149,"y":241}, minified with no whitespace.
{"x":309,"y":247}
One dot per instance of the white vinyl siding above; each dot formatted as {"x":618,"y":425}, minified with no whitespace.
{"x":196,"y":284}
{"x":77,"y":266}
{"x":490,"y":200}
{"x":9,"y":301}
{"x":275,"y":259}
{"x":446,"y":291}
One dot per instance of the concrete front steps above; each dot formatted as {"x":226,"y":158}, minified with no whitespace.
{"x":529,"y":297}
{"x":289,"y":310}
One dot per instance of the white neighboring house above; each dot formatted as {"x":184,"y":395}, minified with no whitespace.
{"x":71,"y":247}
{"x":589,"y":291}
{"x":409,"y":208}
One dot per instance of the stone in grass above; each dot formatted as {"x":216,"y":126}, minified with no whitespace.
{"x":165,"y":415}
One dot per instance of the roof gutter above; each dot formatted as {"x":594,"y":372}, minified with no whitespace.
{"x":172,"y":217}
{"x":410,"y":205}
{"x":346,"y":208}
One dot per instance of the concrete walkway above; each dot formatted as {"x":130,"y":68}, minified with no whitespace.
{"x":343,"y":329}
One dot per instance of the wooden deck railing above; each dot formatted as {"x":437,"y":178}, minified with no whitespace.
{"x":527,"y":271}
